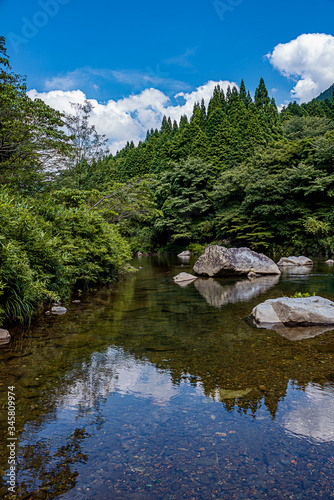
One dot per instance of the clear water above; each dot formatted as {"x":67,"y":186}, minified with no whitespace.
{"x":148,"y":390}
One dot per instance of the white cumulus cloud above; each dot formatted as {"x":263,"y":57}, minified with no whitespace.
{"x":309,"y":60}
{"x":129,"y":118}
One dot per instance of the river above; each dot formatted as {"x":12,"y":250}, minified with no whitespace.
{"x":148,"y":390}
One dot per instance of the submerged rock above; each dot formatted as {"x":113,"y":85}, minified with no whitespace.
{"x":184,"y":278}
{"x":301,"y":311}
{"x":295,"y":261}
{"x":4,"y":336}
{"x":230,"y":394}
{"x":58,"y":310}
{"x":222,"y":261}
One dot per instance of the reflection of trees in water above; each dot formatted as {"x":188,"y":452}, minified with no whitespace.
{"x":51,"y":473}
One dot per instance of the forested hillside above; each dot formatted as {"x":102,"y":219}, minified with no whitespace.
{"x":237,"y":171}
{"x":327,"y":94}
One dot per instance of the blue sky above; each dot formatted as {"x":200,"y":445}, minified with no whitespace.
{"x":109,"y":51}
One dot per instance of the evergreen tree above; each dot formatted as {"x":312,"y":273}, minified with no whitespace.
{"x":243,"y":94}
{"x":215,"y":101}
{"x":203,"y":115}
{"x":261,"y":96}
{"x":183,"y":121}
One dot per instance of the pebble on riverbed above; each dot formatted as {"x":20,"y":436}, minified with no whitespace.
{"x":4,"y":336}
{"x":58,"y":310}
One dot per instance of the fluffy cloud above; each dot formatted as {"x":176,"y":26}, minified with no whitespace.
{"x":309,"y":60}
{"x":129,"y":118}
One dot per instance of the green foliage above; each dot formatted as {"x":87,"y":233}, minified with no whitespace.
{"x":300,"y":295}
{"x":47,"y":250}
{"x":196,"y":248}
{"x":301,"y":127}
{"x":316,"y":107}
{"x":183,"y":196}
{"x":326,"y":94}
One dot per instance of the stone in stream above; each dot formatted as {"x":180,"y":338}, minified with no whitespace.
{"x":184,"y":279}
{"x":58,"y":310}
{"x":4,"y":336}
{"x":233,"y":394}
{"x":222,"y":261}
{"x":295,"y":261}
{"x":329,"y":261}
{"x":185,"y":253}
{"x":311,"y":315}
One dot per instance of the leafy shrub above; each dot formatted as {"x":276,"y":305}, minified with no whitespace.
{"x":48,"y":249}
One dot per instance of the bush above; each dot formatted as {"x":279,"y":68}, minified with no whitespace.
{"x":48,"y":250}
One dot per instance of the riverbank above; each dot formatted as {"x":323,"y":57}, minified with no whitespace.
{"x":49,"y":250}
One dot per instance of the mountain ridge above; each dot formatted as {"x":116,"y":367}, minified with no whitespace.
{"x":326,"y":94}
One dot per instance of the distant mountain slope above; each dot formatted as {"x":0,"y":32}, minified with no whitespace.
{"x":326,"y":94}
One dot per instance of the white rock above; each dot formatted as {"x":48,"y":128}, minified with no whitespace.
{"x":4,"y":336}
{"x":329,"y":261}
{"x":185,"y":253}
{"x":184,"y":277}
{"x":295,"y":311}
{"x":58,"y":310}
{"x":295,"y":261}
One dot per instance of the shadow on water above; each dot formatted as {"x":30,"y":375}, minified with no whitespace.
{"x":149,"y":390}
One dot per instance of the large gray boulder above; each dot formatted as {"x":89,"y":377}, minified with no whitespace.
{"x":222,"y":261}
{"x":295,"y":261}
{"x":287,"y":311}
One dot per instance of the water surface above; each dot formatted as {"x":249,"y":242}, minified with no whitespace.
{"x":149,"y":390}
